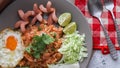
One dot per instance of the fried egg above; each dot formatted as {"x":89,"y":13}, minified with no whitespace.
{"x":11,"y":48}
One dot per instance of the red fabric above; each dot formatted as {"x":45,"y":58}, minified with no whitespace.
{"x":99,"y":41}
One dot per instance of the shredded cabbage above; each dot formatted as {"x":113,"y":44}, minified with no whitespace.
{"x":73,"y":48}
{"x":75,"y":65}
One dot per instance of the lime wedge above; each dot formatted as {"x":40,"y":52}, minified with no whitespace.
{"x":64,"y":19}
{"x":70,"y":28}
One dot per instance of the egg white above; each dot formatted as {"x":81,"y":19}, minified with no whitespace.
{"x":8,"y":58}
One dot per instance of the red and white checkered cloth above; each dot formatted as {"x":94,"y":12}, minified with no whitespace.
{"x":99,"y":41}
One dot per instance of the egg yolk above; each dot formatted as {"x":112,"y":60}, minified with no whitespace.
{"x":11,"y":43}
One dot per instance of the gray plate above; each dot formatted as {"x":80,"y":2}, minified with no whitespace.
{"x":9,"y":16}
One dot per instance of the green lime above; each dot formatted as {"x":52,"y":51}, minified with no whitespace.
{"x":64,"y":19}
{"x":70,"y":28}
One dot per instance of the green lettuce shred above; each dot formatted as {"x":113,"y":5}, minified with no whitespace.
{"x":73,"y":48}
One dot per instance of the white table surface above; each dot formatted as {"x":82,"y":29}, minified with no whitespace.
{"x":99,"y":60}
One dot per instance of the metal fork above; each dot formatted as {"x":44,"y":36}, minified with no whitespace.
{"x":109,"y":6}
{"x":95,"y":8}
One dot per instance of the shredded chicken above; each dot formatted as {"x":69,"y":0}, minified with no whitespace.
{"x":51,"y":54}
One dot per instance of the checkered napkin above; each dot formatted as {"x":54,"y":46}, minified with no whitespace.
{"x":99,"y":41}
